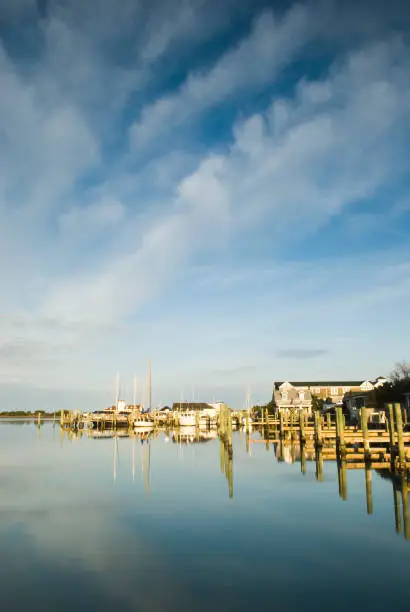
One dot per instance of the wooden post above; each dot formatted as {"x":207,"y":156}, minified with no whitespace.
{"x":302,"y":429}
{"x":405,"y":504}
{"x":318,"y":429}
{"x":397,"y":513}
{"x":281,"y":424}
{"x":281,"y":450}
{"x":390,"y":424}
{"x":328,"y":420}
{"x":230,"y":476}
{"x":229,"y":432}
{"x":369,"y":497}
{"x":319,"y":463}
{"x":340,"y":432}
{"x":342,"y":479}
{"x":303,"y":459}
{"x":292,"y":423}
{"x":366,"y":446}
{"x":400,"y":439}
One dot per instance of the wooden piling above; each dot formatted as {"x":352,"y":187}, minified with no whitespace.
{"x":369,"y":496}
{"x":229,"y":434}
{"x":291,"y":423}
{"x":400,"y":439}
{"x":319,"y":463}
{"x":340,"y":434}
{"x":318,"y":429}
{"x":397,"y":513}
{"x":328,"y":420}
{"x":230,"y":476}
{"x":405,"y":505}
{"x":303,"y":459}
{"x":342,"y":477}
{"x":302,"y":429}
{"x":390,"y":424}
{"x":366,"y":445}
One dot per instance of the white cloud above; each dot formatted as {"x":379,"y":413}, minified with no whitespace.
{"x":45,"y":149}
{"x":256,"y":60}
{"x":328,"y":152}
{"x":93,"y":218}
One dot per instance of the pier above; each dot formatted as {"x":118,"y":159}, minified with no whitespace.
{"x":385,"y":444}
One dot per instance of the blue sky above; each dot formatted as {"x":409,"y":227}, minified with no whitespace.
{"x":220,"y":186}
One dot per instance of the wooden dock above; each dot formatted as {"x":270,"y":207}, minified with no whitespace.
{"x":363,"y":443}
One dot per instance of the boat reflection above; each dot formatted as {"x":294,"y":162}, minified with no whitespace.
{"x":193,"y":435}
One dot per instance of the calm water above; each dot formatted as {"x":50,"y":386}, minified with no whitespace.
{"x":103,"y":524}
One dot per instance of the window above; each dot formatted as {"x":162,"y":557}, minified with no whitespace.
{"x":334,"y":391}
{"x":285,"y":396}
{"x":301,"y":395}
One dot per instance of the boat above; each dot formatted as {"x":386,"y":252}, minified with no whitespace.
{"x":143,"y":423}
{"x":206,"y":423}
{"x":187,"y":419}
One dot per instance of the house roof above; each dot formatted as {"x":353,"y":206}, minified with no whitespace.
{"x":322,"y":383}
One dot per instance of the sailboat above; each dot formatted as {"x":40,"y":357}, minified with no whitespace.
{"x":247,"y":419}
{"x":144,"y":422}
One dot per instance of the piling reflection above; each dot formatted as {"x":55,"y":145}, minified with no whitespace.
{"x":286,"y":449}
{"x":290,"y":451}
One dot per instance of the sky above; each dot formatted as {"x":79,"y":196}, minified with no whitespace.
{"x":220,"y":186}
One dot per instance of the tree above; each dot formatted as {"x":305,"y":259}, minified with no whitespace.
{"x":395,"y":388}
{"x":317,"y":403}
{"x":401,"y":372}
{"x":271,"y":406}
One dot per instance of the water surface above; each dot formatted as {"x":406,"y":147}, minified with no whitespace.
{"x":127,"y":524}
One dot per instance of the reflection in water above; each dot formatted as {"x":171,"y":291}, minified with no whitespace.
{"x":286,"y":450}
{"x":290,"y":451}
{"x":124,"y":519}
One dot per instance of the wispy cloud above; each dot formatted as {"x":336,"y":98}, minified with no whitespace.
{"x":271,"y":45}
{"x":301,"y":353}
{"x":342,"y":137}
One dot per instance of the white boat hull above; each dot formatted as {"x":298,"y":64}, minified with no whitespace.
{"x":187,"y":420}
{"x":144,"y":425}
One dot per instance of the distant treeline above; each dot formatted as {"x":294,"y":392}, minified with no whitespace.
{"x":28,"y":413}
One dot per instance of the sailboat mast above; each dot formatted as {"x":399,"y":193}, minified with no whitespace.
{"x":248,"y":399}
{"x":135,"y":391}
{"x":117,"y":390}
{"x":149,"y":398}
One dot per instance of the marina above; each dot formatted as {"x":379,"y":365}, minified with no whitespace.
{"x":382,"y":444}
